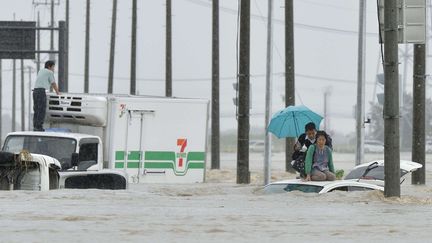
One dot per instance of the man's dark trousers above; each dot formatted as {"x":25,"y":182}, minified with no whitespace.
{"x":39,"y":108}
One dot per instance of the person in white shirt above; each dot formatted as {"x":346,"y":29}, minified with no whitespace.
{"x":45,"y":80}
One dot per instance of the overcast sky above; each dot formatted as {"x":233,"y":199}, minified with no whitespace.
{"x":325,"y":52}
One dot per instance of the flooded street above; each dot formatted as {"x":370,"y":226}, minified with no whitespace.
{"x":218,"y":211}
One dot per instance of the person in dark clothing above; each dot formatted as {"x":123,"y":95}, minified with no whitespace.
{"x":45,"y":80}
{"x":306,"y":139}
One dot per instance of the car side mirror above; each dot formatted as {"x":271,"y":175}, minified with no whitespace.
{"x":74,"y":159}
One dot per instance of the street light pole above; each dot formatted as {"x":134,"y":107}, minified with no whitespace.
{"x":360,"y":111}
{"x":268,"y":96}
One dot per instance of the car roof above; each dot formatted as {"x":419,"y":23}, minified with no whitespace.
{"x":326,"y":183}
{"x":404,"y":164}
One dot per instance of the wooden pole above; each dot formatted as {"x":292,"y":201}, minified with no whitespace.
{"x":243,"y":174}
{"x":87,"y":49}
{"x":168,"y":52}
{"x":391,"y":101}
{"x":215,"y":118}
{"x":112,"y":48}
{"x":419,"y":118}
{"x":133,"y":49}
{"x":289,"y":75}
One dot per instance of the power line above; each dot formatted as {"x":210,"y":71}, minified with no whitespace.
{"x":336,"y":80}
{"x":278,"y":21}
{"x":327,"y":5}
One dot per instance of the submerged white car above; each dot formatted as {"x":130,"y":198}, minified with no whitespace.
{"x":319,"y":186}
{"x":364,"y":177}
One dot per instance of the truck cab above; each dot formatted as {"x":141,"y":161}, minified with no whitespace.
{"x":80,"y":157}
{"x":26,"y":171}
{"x":60,"y":145}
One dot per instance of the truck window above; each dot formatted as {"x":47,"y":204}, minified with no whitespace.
{"x":56,"y":147}
{"x":88,"y":151}
{"x":88,"y":155}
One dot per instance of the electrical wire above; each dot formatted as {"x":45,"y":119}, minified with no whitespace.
{"x":237,"y":56}
{"x":276,"y":48}
{"x":379,"y":33}
{"x":278,"y":21}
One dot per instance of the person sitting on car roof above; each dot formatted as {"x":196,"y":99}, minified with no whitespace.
{"x":319,"y":160}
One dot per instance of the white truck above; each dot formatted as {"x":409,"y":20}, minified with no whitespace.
{"x":25,"y":171}
{"x":147,"y":138}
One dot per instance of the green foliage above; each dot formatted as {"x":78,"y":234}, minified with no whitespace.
{"x":339,"y":174}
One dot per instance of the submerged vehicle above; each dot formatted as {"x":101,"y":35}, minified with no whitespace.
{"x":117,"y":138}
{"x":25,"y":171}
{"x":319,"y":186}
{"x":29,"y":171}
{"x":364,"y":177}
{"x":77,"y":155}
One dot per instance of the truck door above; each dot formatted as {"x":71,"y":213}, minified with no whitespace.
{"x":134,"y":142}
{"x":88,"y":153}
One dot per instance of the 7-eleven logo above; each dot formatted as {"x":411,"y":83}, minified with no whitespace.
{"x":181,"y":156}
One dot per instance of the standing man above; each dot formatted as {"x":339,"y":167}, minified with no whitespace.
{"x":45,"y":80}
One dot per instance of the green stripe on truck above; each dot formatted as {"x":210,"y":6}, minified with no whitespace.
{"x":159,"y":160}
{"x":158,"y":165}
{"x":133,"y":155}
{"x":131,"y":165}
{"x":196,"y":156}
{"x":159,"y":155}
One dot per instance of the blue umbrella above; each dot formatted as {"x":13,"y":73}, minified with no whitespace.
{"x":290,"y":122}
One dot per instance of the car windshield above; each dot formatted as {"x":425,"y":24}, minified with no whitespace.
{"x":281,"y":188}
{"x":303,"y":188}
{"x":59,"y":148}
{"x":374,"y":174}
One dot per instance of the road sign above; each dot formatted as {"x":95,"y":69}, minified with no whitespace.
{"x":411,"y":21}
{"x":17,"y":39}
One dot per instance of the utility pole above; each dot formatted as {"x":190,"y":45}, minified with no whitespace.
{"x":168,"y":58}
{"x":419,"y":107}
{"x":13,"y":91}
{"x":87,"y":49}
{"x":289,"y":75}
{"x":13,"y":95}
{"x":268,"y":95}
{"x":29,"y":97}
{"x":133,"y":49}
{"x":66,"y":51}
{"x":243,"y":174}
{"x":51,"y":55}
{"x":1,"y":104}
{"x":61,"y":56}
{"x":391,"y":101}
{"x":215,"y":118}
{"x":112,"y":48}
{"x":22,"y":97}
{"x":361,"y":84}
{"x":38,"y":61}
